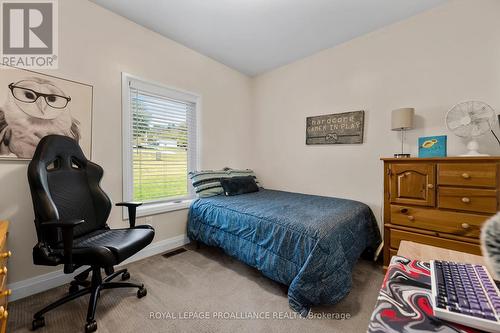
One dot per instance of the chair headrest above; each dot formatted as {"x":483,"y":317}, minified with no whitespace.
{"x":60,"y":150}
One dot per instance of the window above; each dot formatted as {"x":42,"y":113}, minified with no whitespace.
{"x":159,"y":145}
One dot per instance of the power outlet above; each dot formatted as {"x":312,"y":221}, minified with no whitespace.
{"x":149,"y":219}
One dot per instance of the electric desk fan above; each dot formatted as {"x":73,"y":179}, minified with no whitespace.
{"x":470,"y":120}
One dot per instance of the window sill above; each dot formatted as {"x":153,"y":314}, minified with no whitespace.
{"x":159,"y":208}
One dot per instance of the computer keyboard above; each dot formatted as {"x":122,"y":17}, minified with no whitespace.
{"x":465,"y":294}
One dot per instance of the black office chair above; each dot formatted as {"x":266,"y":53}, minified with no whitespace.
{"x":71,"y":211}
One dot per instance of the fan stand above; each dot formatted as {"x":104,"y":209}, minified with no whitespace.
{"x":473,"y":147}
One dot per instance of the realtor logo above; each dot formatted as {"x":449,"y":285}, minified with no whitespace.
{"x":29,"y":33}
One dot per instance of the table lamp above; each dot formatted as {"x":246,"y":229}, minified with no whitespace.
{"x":402,"y":120}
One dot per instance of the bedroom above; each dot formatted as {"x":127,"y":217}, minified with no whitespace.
{"x":252,"y":115}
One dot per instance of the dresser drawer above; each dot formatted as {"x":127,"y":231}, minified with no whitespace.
{"x":473,"y":200}
{"x":4,"y":317}
{"x":3,"y":325}
{"x":468,"y":174}
{"x":4,"y":292}
{"x":4,"y":258}
{"x":460,"y":224}
{"x":398,"y":235}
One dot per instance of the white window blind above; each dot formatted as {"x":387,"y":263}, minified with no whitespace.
{"x":162,"y":142}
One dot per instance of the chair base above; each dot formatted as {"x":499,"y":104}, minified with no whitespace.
{"x":93,"y":288}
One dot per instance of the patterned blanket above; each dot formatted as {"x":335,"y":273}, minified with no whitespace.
{"x":405,"y":301}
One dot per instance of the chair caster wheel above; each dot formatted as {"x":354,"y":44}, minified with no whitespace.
{"x":37,"y":323}
{"x":91,"y":327}
{"x":73,"y":288}
{"x":125,"y":276}
{"x":142,"y":292}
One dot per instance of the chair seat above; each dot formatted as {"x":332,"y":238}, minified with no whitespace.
{"x":110,"y":247}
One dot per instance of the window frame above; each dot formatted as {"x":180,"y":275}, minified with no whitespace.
{"x":156,"y":207}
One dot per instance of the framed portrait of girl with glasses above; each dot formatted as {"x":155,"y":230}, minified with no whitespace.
{"x":33,"y":105}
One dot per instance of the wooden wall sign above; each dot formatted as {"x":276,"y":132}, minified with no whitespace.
{"x":338,"y":128}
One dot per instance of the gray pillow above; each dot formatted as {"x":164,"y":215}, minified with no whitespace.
{"x":207,"y":183}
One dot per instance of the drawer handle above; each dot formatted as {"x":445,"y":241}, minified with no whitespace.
{"x":465,"y":200}
{"x":5,"y":254}
{"x":3,"y":270}
{"x":465,"y":175}
{"x":430,"y":186}
{"x":3,"y":313}
{"x":411,"y":218}
{"x":6,"y":292}
{"x":404,"y":210}
{"x":465,"y":225}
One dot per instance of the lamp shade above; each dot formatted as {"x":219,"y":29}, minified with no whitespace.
{"x":402,"y":119}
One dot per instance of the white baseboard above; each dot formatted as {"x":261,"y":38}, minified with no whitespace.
{"x":51,"y":280}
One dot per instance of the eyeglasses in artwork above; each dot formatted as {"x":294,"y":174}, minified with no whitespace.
{"x":27,"y":95}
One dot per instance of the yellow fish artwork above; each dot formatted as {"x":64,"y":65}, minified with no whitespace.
{"x":432,"y":146}
{"x":429,"y":143}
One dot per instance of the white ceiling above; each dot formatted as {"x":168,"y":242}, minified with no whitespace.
{"x":254,"y":36}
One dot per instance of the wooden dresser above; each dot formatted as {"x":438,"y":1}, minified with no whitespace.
{"x":438,"y":201}
{"x":4,"y":292}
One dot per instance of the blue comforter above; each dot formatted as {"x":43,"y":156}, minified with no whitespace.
{"x":309,"y":243}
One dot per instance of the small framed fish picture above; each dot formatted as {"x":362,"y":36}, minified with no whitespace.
{"x":432,"y":146}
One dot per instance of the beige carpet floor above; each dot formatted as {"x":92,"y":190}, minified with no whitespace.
{"x":208,"y":283}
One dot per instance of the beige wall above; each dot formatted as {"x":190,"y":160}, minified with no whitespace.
{"x":95,"y":47}
{"x":430,"y":62}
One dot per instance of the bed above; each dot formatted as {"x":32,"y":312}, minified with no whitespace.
{"x":309,"y":243}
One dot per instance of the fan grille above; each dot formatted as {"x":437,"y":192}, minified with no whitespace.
{"x":470,"y":119}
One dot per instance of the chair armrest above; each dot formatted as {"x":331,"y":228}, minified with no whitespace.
{"x":66,"y":228}
{"x":61,"y":224}
{"x":132,"y":210}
